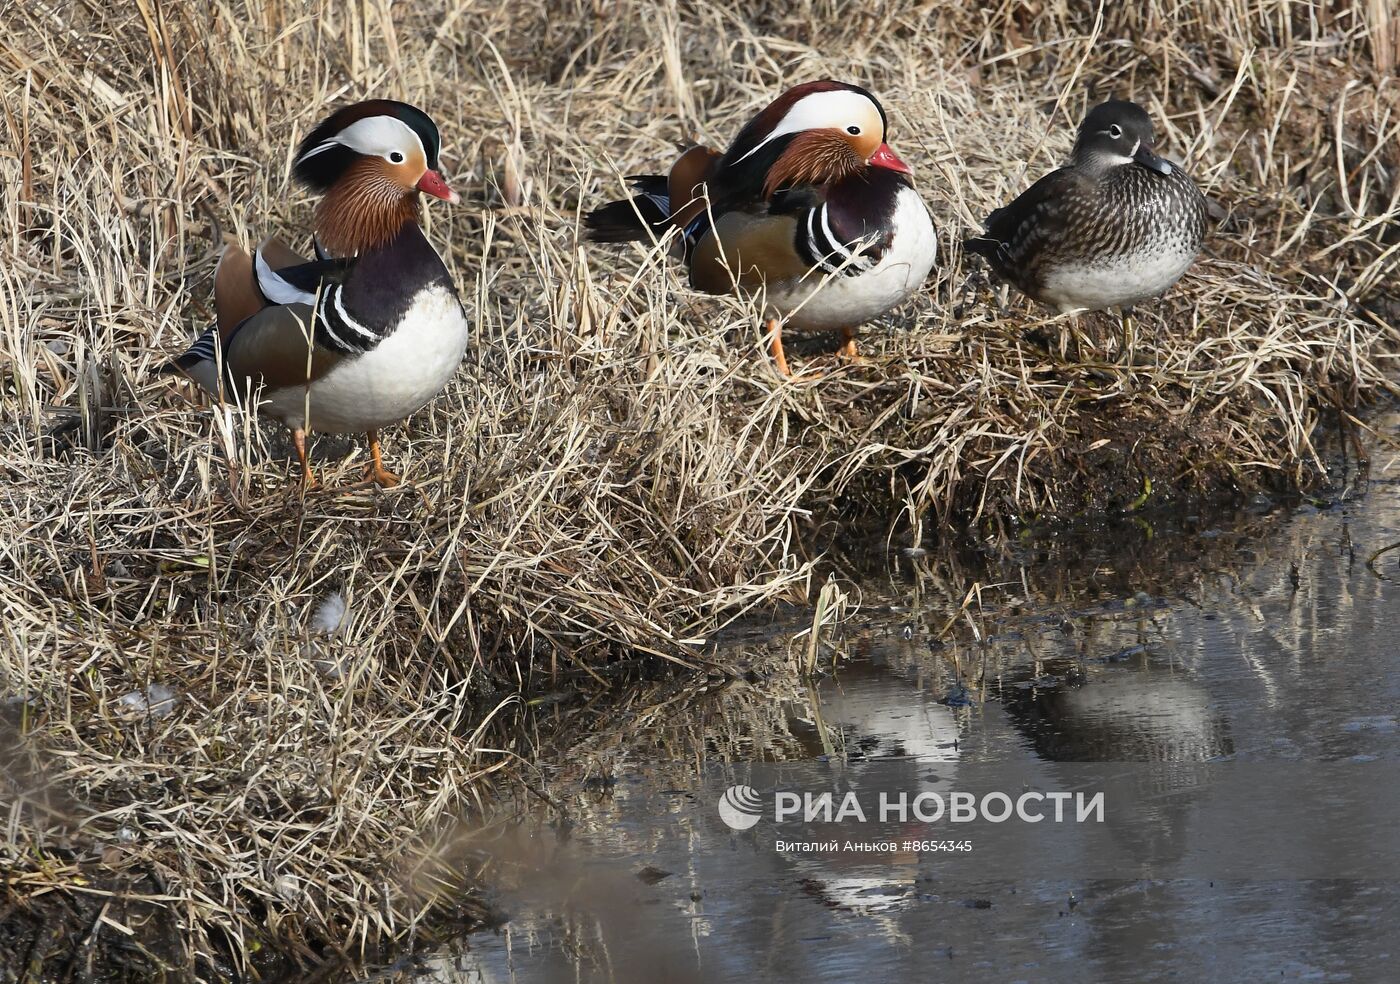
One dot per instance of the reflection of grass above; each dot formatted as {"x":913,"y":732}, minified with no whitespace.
{"x":616,"y":469}
{"x":829,"y":607}
{"x":1371,"y":560}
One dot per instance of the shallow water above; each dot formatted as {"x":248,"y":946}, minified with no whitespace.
{"x":1262,"y":641}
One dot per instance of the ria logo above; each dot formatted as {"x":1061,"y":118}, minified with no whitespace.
{"x":740,"y":807}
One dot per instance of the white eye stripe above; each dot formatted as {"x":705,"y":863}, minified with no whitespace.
{"x":376,"y":136}
{"x":319,"y":148}
{"x":818,"y":110}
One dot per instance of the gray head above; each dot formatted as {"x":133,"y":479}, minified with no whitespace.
{"x":1117,"y":133}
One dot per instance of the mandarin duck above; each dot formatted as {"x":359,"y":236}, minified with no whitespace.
{"x":808,"y":208}
{"x":1115,"y":226}
{"x":370,"y":330}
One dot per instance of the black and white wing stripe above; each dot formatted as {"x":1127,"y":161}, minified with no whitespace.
{"x":823,"y":249}
{"x":318,"y":285}
{"x":276,"y":287}
{"x":199,"y":360}
{"x":334,"y":326}
{"x":693,"y":232}
{"x":298,"y":284}
{"x":206,"y":346}
{"x":337,"y":328}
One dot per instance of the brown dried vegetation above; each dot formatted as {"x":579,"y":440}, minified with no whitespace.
{"x":617,"y":470}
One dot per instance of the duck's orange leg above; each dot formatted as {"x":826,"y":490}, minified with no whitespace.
{"x":308,"y":480}
{"x":376,"y":472}
{"x":775,"y":346}
{"x":848,"y":346}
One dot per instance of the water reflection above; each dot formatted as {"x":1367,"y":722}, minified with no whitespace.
{"x":1156,"y":716}
{"x":1262,"y":636}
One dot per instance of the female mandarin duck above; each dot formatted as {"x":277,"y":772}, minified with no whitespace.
{"x":1115,"y":226}
{"x":809,"y":208}
{"x":372,"y":329}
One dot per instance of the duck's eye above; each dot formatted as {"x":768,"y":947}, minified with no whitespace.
{"x":853,"y":130}
{"x":1115,"y":131}
{"x":395,"y":157}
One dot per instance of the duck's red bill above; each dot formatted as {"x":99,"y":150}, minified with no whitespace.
{"x":885,"y":157}
{"x":433,"y":183}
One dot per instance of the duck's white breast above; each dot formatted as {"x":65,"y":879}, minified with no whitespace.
{"x":822,"y":302}
{"x":1112,"y":281}
{"x":389,"y":382}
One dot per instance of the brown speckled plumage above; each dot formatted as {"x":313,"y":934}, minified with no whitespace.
{"x":1115,"y":226}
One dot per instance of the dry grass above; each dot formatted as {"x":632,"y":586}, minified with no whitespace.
{"x":616,"y":472}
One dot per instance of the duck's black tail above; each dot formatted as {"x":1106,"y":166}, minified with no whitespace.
{"x":641,"y":218}
{"x":982,"y":246}
{"x":996,"y":253}
{"x":204,"y":349}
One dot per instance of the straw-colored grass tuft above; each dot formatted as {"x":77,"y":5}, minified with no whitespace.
{"x":261,"y":713}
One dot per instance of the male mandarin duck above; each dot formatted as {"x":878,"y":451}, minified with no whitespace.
{"x":372,"y":329}
{"x":1115,"y":226}
{"x":809,"y":209}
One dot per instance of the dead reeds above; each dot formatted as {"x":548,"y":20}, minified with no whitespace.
{"x":617,"y":470}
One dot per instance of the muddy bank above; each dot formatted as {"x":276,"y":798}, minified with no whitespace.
{"x":1258,"y":641}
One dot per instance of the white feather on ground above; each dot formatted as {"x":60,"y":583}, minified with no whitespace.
{"x":328,"y":619}
{"x":329,"y":615}
{"x":158,"y":700}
